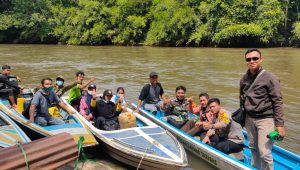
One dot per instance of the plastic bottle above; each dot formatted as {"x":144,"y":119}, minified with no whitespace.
{"x":274,"y":136}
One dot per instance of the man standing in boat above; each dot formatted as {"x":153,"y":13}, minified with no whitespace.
{"x":264,"y":109}
{"x":151,"y":95}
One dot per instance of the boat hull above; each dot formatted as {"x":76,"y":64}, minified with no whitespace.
{"x":10,"y":133}
{"x":76,"y":128}
{"x":149,"y":147}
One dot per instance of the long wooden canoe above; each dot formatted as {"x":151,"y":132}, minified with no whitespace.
{"x":283,"y":159}
{"x":73,"y":125}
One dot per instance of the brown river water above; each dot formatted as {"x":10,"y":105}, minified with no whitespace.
{"x":216,"y":71}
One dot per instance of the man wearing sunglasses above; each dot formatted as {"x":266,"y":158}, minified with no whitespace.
{"x":264,"y":109}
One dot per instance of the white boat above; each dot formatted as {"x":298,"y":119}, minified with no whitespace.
{"x":10,"y":133}
{"x":283,"y":159}
{"x":147,"y":146}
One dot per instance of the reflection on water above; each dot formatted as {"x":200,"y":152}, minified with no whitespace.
{"x":213,"y":70}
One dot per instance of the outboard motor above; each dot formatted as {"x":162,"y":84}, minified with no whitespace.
{"x":13,"y":79}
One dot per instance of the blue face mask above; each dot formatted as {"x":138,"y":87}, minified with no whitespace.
{"x":48,"y":89}
{"x":60,"y":83}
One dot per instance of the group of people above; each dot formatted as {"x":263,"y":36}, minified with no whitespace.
{"x":212,"y":123}
{"x":261,"y":99}
{"x":260,"y":96}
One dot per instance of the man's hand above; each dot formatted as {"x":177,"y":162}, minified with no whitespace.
{"x":166,"y":99}
{"x":207,"y":125}
{"x":92,"y":79}
{"x":206,"y":140}
{"x":281,"y":131}
{"x":210,"y":132}
{"x":199,"y":123}
{"x":190,"y":99}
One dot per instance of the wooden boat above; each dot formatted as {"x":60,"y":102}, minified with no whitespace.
{"x":10,"y":133}
{"x":283,"y":159}
{"x":147,"y":146}
{"x":73,"y":125}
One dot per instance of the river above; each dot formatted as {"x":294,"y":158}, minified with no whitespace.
{"x":216,"y":71}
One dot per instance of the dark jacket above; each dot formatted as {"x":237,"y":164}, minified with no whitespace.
{"x":105,"y":109}
{"x":4,"y":83}
{"x":264,"y":99}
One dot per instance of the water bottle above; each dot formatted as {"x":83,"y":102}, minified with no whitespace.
{"x":274,"y":136}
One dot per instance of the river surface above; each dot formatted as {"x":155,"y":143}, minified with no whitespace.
{"x":216,"y":71}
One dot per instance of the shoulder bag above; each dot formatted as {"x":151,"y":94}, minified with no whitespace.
{"x":239,"y":115}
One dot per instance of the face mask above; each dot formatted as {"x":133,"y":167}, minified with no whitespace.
{"x":90,"y":92}
{"x":48,"y":89}
{"x":59,"y":83}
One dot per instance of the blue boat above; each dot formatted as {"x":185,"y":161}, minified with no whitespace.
{"x":146,"y":146}
{"x":283,"y":159}
{"x":10,"y":133}
{"x":72,"y":125}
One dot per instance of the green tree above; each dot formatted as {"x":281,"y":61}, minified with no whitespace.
{"x":172,"y":23}
{"x":26,"y":21}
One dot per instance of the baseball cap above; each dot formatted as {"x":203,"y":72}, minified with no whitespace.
{"x":92,"y":86}
{"x":152,"y":74}
{"x":107,"y":93}
{"x":60,"y":77}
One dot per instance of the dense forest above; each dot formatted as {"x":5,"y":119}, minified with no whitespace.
{"x":217,"y":23}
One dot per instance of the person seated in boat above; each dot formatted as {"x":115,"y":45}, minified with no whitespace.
{"x":85,"y":102}
{"x":105,"y":115}
{"x":59,"y":87}
{"x":8,"y":88}
{"x":42,"y":100}
{"x":223,"y":133}
{"x":151,"y":94}
{"x":76,"y":92}
{"x":177,"y":109}
{"x":194,"y":127}
{"x":119,"y":100}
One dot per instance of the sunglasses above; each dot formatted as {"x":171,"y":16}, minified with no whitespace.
{"x":253,"y":59}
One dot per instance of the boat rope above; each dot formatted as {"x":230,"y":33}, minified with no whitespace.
{"x":81,"y":155}
{"x":144,"y":154}
{"x":24,"y":154}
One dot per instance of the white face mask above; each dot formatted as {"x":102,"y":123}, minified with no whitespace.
{"x":90,"y":92}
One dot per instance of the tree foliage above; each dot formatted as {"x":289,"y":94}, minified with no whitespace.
{"x":150,"y":22}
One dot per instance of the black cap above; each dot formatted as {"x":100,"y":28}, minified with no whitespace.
{"x":152,"y":74}
{"x":92,"y":86}
{"x":107,"y":93}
